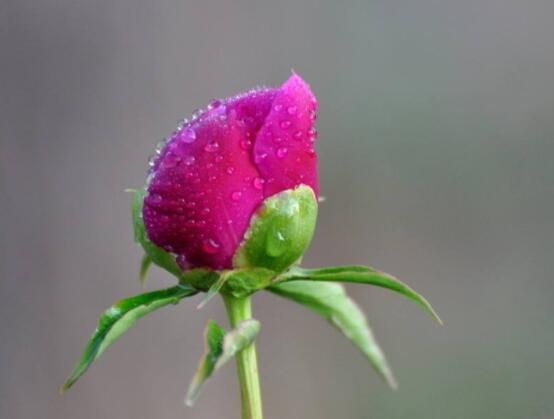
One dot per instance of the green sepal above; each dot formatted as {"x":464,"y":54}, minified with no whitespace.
{"x":244,"y":282}
{"x":221,"y":346}
{"x":118,"y":319}
{"x":331,"y":302}
{"x":359,"y":275}
{"x":280,"y":232}
{"x":156,"y":254}
{"x":238,"y":282}
{"x":145,"y":265}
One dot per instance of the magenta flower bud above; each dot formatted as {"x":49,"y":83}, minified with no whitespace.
{"x":214,"y":172}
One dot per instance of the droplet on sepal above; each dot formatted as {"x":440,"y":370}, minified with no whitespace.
{"x":275,"y":243}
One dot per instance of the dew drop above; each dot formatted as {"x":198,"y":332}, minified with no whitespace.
{"x":210,"y":246}
{"x":298,"y":135}
{"x":278,"y":107}
{"x":182,"y":262}
{"x":282,"y":152}
{"x":218,"y":158}
{"x":245,"y":144}
{"x":236,"y":196}
{"x":258,"y":183}
{"x":156,"y":198}
{"x":260,"y":157}
{"x":216,"y":103}
{"x":189,"y":160}
{"x":211,"y":147}
{"x":188,"y":135}
{"x":292,"y":110}
{"x":230,"y":170}
{"x":275,"y":244}
{"x":285,"y":124}
{"x":312,"y":134}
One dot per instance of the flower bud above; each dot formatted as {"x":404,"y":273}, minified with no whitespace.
{"x":217,"y":170}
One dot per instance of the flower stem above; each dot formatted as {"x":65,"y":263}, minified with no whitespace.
{"x":240,"y":309}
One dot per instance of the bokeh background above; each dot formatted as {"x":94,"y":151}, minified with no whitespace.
{"x":436,"y":149}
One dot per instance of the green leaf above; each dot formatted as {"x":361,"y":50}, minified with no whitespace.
{"x":214,"y":289}
{"x":359,"y":275}
{"x":331,"y":302}
{"x":280,"y":231}
{"x":118,"y":319}
{"x":220,"y":348}
{"x":157,"y":255}
{"x":144,"y":268}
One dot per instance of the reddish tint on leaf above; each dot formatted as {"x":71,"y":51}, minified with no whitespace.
{"x":215,"y":171}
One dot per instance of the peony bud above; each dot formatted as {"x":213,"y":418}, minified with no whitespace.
{"x":216,"y":175}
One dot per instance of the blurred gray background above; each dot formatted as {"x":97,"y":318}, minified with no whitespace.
{"x":436,"y":148}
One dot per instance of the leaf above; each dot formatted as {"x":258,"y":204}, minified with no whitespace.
{"x":144,"y":268}
{"x":118,"y":319}
{"x":238,"y":339}
{"x":214,"y":289}
{"x":331,"y":302}
{"x":158,"y":255}
{"x":220,"y":348}
{"x":359,"y":275}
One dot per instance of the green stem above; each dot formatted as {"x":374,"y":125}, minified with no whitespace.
{"x":240,"y":309}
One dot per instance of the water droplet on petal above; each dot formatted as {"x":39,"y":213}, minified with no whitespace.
{"x":285,"y":124}
{"x":211,"y":147}
{"x":210,"y":246}
{"x":312,"y":134}
{"x":260,"y":157}
{"x":298,"y":135}
{"x":282,"y":152}
{"x":156,"y":198}
{"x":216,"y":103}
{"x":189,"y":160}
{"x":182,"y":262}
{"x":258,"y":183}
{"x":188,"y":135}
{"x":236,"y":196}
{"x":245,"y":144}
{"x":292,"y":110}
{"x":218,"y":158}
{"x":230,"y":170}
{"x":278,"y":107}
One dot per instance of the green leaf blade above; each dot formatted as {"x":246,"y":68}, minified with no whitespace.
{"x":220,"y":348}
{"x":331,"y":302}
{"x":118,"y":319}
{"x":144,"y":268}
{"x":360,"y":275}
